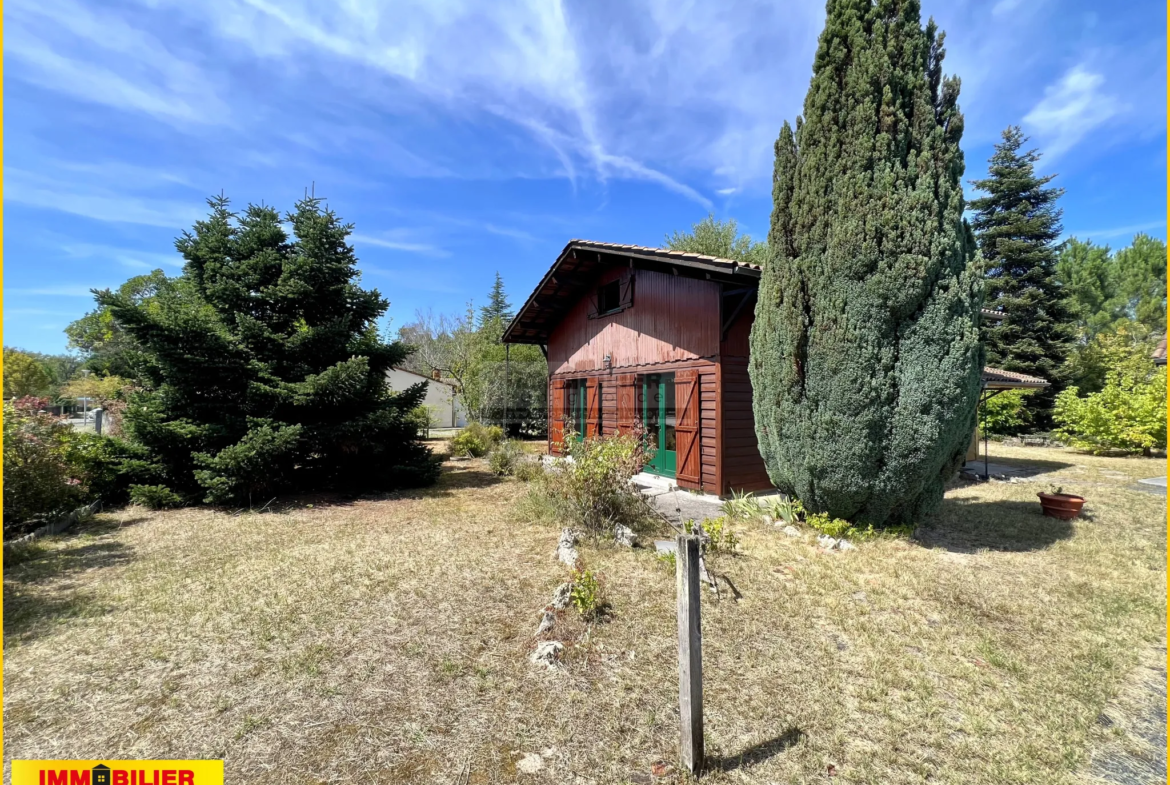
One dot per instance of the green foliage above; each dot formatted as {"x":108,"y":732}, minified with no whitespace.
{"x":587,"y":594}
{"x":789,"y":511}
{"x":155,"y":497}
{"x":842,"y":529}
{"x":1018,"y":223}
{"x":505,"y":458}
{"x":827,"y":524}
{"x":1128,"y":414}
{"x":593,"y":490}
{"x":1141,"y":275}
{"x":720,"y":537}
{"x":39,"y":482}
{"x":670,"y":559}
{"x":498,"y":307}
{"x":107,"y":348}
{"x":423,"y":418}
{"x":741,"y":506}
{"x":865,"y":358}
{"x":476,"y":439}
{"x":261,"y":369}
{"x":25,"y":375}
{"x":529,"y":471}
{"x":107,"y":465}
{"x":1088,"y":277}
{"x":721,"y":239}
{"x":1005,"y":413}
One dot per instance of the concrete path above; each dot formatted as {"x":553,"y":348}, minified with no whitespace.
{"x":677,"y":505}
{"x":1134,"y":752}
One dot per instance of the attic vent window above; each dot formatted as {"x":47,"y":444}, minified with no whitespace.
{"x":609,"y":297}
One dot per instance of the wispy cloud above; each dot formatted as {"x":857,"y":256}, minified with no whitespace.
{"x":397,"y":245}
{"x":1116,"y":231}
{"x":1070,"y":109}
{"x":127,"y":257}
{"x":418,"y":279}
{"x":52,"y":291}
{"x":97,"y":200}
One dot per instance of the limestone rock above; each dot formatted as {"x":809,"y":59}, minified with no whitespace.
{"x":547,"y":620}
{"x":567,"y":547}
{"x":791,"y":530}
{"x":827,"y":542}
{"x":624,"y":535}
{"x":548,"y":654}
{"x":845,"y":545}
{"x":562,"y":596}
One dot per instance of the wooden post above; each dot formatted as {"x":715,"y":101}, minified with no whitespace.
{"x":690,"y":653}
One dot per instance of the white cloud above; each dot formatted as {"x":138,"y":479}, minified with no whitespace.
{"x":419,"y":280}
{"x":397,"y":245}
{"x":1116,"y":231}
{"x":1070,"y":109}
{"x":95,"y":200}
{"x":53,"y":291}
{"x":127,"y":257}
{"x":1005,"y":7}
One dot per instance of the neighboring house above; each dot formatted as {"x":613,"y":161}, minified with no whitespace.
{"x":635,"y":334}
{"x":442,"y":396}
{"x":1159,"y":355}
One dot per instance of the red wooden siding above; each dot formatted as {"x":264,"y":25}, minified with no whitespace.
{"x":708,"y":430}
{"x":686,"y":429}
{"x":743,"y":468}
{"x":625,"y":402}
{"x":671,"y":319}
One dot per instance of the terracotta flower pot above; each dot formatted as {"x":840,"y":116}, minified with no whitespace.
{"x":1065,"y":506}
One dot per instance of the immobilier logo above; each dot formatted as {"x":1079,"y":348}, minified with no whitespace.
{"x":117,"y":772}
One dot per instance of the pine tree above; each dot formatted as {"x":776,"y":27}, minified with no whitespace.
{"x":263,"y":369}
{"x":1017,"y":223}
{"x":498,"y":306}
{"x":865,"y":356}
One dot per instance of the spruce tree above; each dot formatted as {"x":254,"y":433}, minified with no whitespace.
{"x":498,"y":306}
{"x":1017,"y":224}
{"x":865,"y":356}
{"x":263,"y":369}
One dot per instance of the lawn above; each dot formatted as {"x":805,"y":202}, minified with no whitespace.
{"x":387,"y":640}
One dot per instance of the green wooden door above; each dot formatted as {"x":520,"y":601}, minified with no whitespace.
{"x":576,"y":391}
{"x":658,"y":415}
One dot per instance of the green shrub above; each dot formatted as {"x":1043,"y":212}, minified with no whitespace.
{"x":587,"y":594}
{"x":109,"y":465}
{"x":529,"y":471}
{"x":505,"y":458}
{"x":592,"y":491}
{"x":787,"y":510}
{"x":476,"y":439}
{"x":155,"y":497}
{"x":720,"y":537}
{"x":741,"y":506}
{"x":826,"y":524}
{"x":1005,"y":413}
{"x":1127,"y":415}
{"x":423,"y":418}
{"x":39,"y":481}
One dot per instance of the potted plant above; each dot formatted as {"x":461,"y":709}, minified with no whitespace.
{"x":1056,"y":504}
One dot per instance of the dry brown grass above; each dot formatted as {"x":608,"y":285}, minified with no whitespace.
{"x":387,"y":640}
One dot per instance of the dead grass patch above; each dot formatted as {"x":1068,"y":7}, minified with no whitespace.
{"x":386,"y":640}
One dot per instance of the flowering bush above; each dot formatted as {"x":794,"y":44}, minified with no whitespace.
{"x":39,"y":482}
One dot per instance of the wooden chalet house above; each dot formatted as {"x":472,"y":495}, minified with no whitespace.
{"x":657,"y":336}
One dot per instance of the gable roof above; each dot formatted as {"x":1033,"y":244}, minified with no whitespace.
{"x":577,"y":265}
{"x":423,"y":376}
{"x":1159,"y":355}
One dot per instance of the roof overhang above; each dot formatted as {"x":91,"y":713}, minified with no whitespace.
{"x":578,"y":265}
{"x":998,"y":379}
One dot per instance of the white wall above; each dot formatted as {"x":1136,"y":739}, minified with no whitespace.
{"x":440,"y":396}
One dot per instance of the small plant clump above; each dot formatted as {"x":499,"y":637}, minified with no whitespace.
{"x":842,"y":529}
{"x":587,"y":594}
{"x":592,"y":491}
{"x":476,"y":440}
{"x":505,"y":458}
{"x":720,"y":537}
{"x":742,"y":506}
{"x":786,"y":510}
{"x":155,"y":497}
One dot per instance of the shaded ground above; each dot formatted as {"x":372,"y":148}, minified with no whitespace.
{"x":1132,"y":747}
{"x":385,"y":640}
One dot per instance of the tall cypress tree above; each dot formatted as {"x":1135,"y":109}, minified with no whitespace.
{"x":1017,"y":223}
{"x":865,"y":349}
{"x":262,"y":366}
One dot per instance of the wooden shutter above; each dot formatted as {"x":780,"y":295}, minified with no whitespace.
{"x":627,"y":402}
{"x":627,"y":290}
{"x":686,"y":429}
{"x":556,"y":417}
{"x":593,"y":408}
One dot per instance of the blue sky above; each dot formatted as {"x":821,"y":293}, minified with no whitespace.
{"x":464,"y":138}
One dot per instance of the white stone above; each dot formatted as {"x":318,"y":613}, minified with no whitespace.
{"x":530,"y":763}
{"x":791,"y":530}
{"x":768,"y":521}
{"x":566,"y":547}
{"x":562,"y":596}
{"x":827,"y":542}
{"x":845,"y":545}
{"x":624,"y":535}
{"x":548,"y":654}
{"x":547,"y":620}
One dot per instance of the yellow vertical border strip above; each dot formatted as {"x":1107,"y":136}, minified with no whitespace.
{"x":2,"y":371}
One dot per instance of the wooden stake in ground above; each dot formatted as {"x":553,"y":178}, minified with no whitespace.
{"x":690,"y":653}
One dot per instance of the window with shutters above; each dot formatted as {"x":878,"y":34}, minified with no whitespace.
{"x":613,"y":297}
